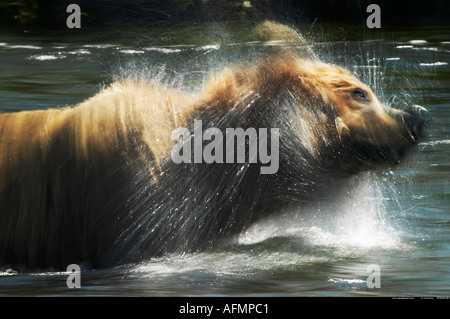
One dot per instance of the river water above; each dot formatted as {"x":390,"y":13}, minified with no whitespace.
{"x":398,"y":220}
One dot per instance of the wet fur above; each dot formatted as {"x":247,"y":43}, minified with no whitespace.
{"x":95,"y":182}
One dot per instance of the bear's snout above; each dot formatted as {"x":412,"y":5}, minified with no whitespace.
{"x":414,"y":117}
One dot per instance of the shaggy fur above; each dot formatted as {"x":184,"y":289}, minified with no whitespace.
{"x":95,"y":182}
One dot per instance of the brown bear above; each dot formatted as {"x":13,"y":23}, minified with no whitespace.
{"x":96,"y":182}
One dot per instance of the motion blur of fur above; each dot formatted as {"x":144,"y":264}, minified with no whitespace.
{"x":95,"y":182}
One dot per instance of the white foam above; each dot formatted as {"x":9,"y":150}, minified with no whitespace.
{"x":223,"y":263}
{"x":274,"y":43}
{"x":434,"y":64}
{"x":347,"y":281}
{"x":80,"y":52}
{"x":418,"y":41}
{"x":163,"y":50}
{"x":99,"y":46}
{"x":8,"y":272}
{"x":50,"y":273}
{"x":356,"y":223}
{"x":46,"y":57}
{"x":19,"y":46}
{"x":209,"y":47}
{"x":129,"y":51}
{"x":404,"y":46}
{"x":259,"y":233}
{"x":392,"y":59}
{"x":359,"y":235}
{"x":369,"y":66}
{"x":426,"y":49}
{"x":433,"y":143}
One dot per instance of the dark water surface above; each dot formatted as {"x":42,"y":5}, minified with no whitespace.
{"x":398,"y":220}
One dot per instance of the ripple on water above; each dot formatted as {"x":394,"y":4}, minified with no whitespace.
{"x":47,"y":57}
{"x":434,"y":64}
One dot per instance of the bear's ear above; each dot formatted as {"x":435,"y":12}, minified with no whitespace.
{"x":283,"y":39}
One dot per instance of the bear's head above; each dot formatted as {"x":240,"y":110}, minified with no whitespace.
{"x":338,"y":110}
{"x":372,"y":134}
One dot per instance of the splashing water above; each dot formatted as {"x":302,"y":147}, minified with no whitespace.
{"x":359,"y":221}
{"x":353,"y":227}
{"x":363,"y":220}
{"x":308,"y":251}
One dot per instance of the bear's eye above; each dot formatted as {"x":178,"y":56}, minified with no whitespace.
{"x":360,"y":94}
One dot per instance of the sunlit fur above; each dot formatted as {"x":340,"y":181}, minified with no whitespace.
{"x":95,"y":182}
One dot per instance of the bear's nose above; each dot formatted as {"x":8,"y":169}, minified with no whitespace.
{"x":419,"y":111}
{"x":414,"y":117}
